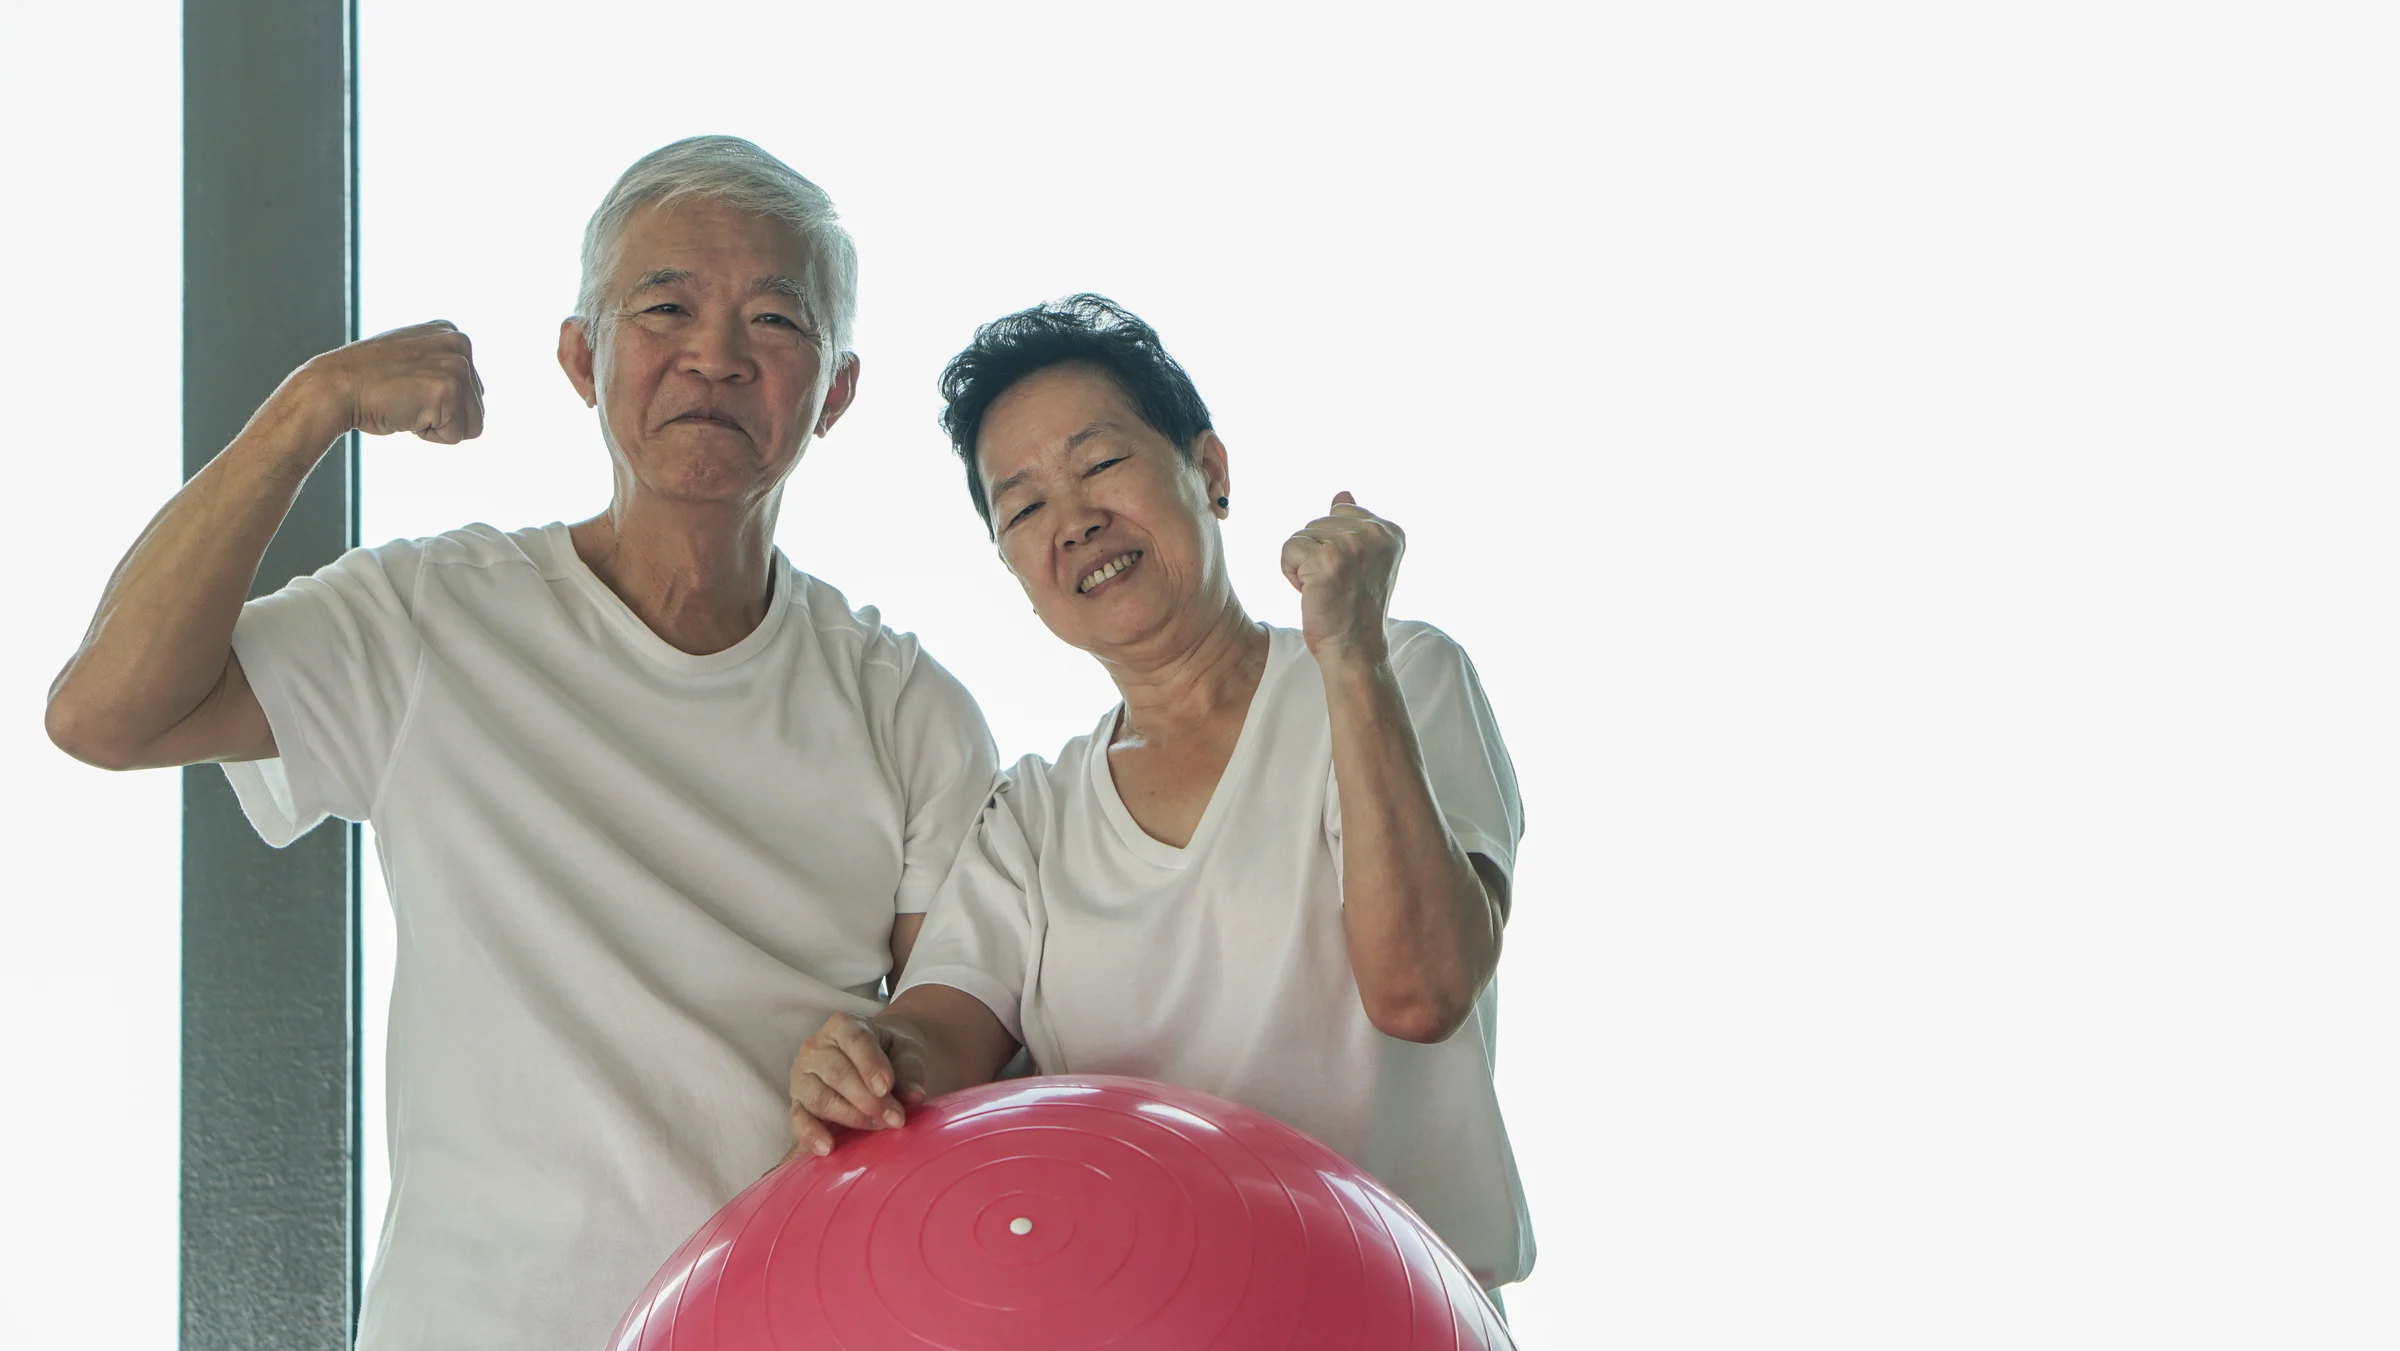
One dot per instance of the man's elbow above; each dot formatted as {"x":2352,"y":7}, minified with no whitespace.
{"x":79,"y":732}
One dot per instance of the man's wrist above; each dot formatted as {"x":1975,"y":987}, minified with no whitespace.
{"x":297,"y":424}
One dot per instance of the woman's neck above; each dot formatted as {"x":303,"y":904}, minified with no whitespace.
{"x":698,"y":574}
{"x":1210,"y":675}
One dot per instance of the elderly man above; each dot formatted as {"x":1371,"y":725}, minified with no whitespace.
{"x":651,"y":801}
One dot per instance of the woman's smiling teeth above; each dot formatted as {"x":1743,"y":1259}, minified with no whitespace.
{"x":1107,"y":570}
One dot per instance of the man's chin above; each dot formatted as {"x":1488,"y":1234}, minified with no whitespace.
{"x":724,"y":478}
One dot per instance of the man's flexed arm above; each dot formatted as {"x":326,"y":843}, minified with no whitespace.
{"x":155,"y":681}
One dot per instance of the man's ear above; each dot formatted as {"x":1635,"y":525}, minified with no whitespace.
{"x":576,"y":358}
{"x":839,"y":395}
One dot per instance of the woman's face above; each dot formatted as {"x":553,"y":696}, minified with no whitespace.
{"x":1111,"y":533}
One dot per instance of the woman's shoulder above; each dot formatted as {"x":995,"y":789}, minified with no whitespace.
{"x":1032,"y":773}
{"x":1406,"y":640}
{"x":1414,"y":640}
{"x":1041,"y":781}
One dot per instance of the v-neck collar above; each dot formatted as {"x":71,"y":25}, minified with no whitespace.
{"x":642,"y":638}
{"x":1139,"y":842}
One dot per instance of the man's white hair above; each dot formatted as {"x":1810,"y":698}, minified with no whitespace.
{"x":731,"y":170}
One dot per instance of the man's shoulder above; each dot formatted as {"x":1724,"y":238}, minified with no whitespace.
{"x":856,"y":631}
{"x":892,"y":669}
{"x":469,"y":546}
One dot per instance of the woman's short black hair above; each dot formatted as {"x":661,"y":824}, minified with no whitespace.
{"x":1085,"y":328}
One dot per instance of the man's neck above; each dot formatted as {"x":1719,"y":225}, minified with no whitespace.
{"x":699,"y":574}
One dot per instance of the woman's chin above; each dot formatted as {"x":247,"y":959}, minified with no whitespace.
{"x":1107,"y":631}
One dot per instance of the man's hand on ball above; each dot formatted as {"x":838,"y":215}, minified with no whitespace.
{"x":854,"y":1073}
{"x":1344,"y":564}
{"x":417,"y":379}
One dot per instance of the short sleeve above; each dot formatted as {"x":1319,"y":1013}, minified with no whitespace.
{"x":947,"y":766}
{"x":978,"y":935}
{"x":1474,"y":785}
{"x":333,"y":659}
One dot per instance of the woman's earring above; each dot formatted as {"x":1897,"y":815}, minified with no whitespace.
{"x":1224,"y":502}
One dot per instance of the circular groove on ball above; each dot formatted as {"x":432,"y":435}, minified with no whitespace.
{"x":1062,"y":1213}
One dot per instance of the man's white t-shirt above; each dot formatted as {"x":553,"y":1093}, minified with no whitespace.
{"x":1221,"y":966}
{"x":627,"y":882}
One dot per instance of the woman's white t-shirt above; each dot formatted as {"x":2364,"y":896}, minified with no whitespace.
{"x":627,"y":882}
{"x":1221,"y":966}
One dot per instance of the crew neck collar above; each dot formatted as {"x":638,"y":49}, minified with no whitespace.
{"x":645,"y":640}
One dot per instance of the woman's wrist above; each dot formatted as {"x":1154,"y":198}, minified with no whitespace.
{"x":1354,"y":666}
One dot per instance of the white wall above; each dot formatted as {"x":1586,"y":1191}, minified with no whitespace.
{"x":1917,"y":482}
{"x":1911,"y":477}
{"x":91,"y":433}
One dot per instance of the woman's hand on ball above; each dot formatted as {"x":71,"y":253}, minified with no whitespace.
{"x":853,"y":1072}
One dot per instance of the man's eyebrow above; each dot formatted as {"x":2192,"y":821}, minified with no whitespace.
{"x":660,"y":276}
{"x":776,"y":284}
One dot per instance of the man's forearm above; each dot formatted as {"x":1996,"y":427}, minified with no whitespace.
{"x":158,"y":644}
{"x":1423,"y":930}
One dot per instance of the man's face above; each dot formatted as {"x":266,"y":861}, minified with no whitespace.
{"x":708,"y":378}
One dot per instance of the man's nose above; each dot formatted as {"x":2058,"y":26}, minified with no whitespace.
{"x":720,"y":351}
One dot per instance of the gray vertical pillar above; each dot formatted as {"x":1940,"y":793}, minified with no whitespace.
{"x":270,"y":1100}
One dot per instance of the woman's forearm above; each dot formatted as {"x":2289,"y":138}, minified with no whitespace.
{"x":1423,"y":928}
{"x":944,"y":1039}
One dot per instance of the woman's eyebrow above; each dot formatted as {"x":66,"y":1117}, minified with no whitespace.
{"x":1090,"y":430}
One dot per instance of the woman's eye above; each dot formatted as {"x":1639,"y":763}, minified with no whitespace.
{"x":669,"y":307}
{"x":1102,"y":465}
{"x":777,"y":318}
{"x":1023,"y":512}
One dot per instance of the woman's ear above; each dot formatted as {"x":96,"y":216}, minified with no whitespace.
{"x":1216,"y":478}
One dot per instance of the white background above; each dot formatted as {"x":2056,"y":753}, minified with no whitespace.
{"x":1918,"y":482}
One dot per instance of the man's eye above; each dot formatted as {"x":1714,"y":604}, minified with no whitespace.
{"x":664,"y":308}
{"x":1023,"y":512}
{"x":1102,"y":465}
{"x":777,"y":318}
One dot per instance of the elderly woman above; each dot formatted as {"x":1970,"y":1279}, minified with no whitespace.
{"x":1277,"y":871}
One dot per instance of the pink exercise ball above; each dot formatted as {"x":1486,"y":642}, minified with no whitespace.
{"x":1059,"y":1213}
